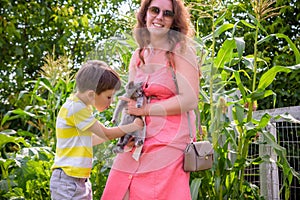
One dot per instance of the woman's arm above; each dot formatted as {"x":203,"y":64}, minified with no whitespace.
{"x":187,"y":75}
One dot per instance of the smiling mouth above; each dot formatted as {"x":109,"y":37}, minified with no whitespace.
{"x":157,"y":25}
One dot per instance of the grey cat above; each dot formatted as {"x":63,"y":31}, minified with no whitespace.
{"x":133,"y":91}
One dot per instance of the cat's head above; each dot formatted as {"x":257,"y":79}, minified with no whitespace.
{"x":134,"y":90}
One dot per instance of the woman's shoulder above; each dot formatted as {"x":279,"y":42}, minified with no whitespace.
{"x":184,"y":48}
{"x":185,"y":54}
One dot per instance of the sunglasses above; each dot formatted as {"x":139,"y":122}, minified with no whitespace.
{"x":154,"y":11}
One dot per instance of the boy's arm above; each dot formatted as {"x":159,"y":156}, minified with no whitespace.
{"x":115,"y":132}
{"x":97,"y":140}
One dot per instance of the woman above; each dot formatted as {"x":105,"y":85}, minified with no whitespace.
{"x":161,"y":32}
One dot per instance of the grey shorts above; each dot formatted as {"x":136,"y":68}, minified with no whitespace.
{"x":64,"y":187}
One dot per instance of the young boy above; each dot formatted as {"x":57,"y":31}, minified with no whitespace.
{"x":77,"y":131}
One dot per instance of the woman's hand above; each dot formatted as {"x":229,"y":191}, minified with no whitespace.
{"x":132,"y":109}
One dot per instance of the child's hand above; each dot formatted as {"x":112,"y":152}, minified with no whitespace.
{"x":139,"y":122}
{"x":134,"y":126}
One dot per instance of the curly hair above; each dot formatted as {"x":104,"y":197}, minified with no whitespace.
{"x":179,"y":31}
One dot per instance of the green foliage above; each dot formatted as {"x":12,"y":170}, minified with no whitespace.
{"x":277,"y":51}
{"x":103,"y":159}
{"x":233,"y":65}
{"x":25,"y":170}
{"x":240,"y":51}
{"x":38,"y":105}
{"x":30,"y":29}
{"x":25,"y":164}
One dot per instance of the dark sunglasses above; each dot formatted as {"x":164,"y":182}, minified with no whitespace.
{"x":154,"y":11}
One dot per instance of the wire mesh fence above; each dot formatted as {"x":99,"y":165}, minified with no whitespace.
{"x":288,"y":136}
{"x":267,"y":175}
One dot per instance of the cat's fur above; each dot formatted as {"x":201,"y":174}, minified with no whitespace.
{"x":133,"y":91}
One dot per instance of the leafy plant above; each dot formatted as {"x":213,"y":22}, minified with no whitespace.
{"x":37,"y":108}
{"x":25,"y":170}
{"x":224,"y":72}
{"x":241,"y":53}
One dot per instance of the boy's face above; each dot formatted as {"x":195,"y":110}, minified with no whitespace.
{"x":103,"y":100}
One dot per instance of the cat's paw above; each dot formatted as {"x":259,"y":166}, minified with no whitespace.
{"x":115,"y":121}
{"x":117,"y":149}
{"x":139,"y":143}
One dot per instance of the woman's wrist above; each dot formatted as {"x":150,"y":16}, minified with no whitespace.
{"x":146,"y":110}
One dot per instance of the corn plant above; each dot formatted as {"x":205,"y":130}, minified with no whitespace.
{"x":25,"y":162}
{"x":224,"y":71}
{"x":38,"y":105}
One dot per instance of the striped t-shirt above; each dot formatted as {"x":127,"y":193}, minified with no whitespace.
{"x":74,"y":152}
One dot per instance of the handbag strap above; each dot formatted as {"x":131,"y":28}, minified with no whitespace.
{"x":199,"y":125}
{"x":197,"y":112}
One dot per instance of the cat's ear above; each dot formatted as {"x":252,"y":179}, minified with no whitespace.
{"x":130,"y":84}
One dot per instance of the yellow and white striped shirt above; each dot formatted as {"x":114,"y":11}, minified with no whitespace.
{"x":74,"y":152}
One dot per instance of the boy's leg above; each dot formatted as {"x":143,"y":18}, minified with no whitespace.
{"x":65,"y":187}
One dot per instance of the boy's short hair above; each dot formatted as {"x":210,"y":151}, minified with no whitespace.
{"x":96,"y":75}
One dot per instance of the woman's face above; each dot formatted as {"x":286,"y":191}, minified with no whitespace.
{"x":159,"y":17}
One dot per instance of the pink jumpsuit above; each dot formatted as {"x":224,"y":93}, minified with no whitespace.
{"x":159,"y":172}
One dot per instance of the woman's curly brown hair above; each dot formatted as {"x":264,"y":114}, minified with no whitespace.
{"x":179,"y":31}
